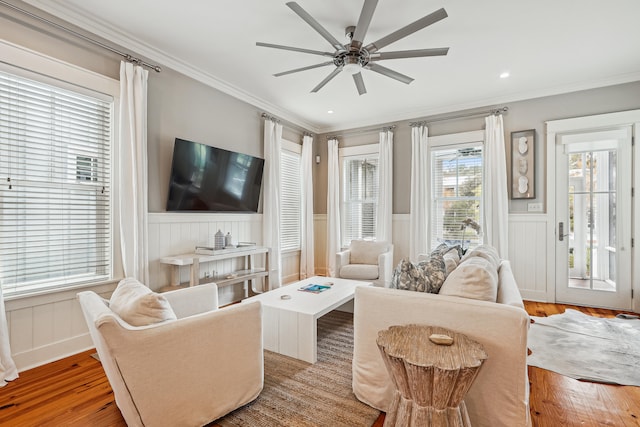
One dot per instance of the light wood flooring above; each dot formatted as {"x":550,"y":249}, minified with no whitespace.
{"x":75,"y":392}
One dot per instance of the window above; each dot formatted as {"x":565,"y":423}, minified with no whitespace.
{"x":359,"y":192}
{"x":290,"y":196}
{"x":55,"y":225}
{"x":456,"y":194}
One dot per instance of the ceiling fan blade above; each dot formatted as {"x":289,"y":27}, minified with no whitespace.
{"x":417,"y":53}
{"x":310,"y":67}
{"x":403,"y":32}
{"x":295,"y":49}
{"x":366,"y":14}
{"x":315,"y":25}
{"x":389,"y":73}
{"x":357,"y":78}
{"x":327,"y":79}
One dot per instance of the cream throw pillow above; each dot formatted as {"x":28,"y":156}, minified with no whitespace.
{"x":484,"y":251}
{"x":138,"y":305}
{"x":474,"y":278}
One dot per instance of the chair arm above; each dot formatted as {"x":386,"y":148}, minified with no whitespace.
{"x":385,"y":267}
{"x":213,"y":361}
{"x":193,"y":300}
{"x":342,"y":258}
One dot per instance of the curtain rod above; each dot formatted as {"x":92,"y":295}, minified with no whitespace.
{"x":126,"y":56}
{"x":462,"y":116}
{"x":268,"y":116}
{"x":363,"y":131}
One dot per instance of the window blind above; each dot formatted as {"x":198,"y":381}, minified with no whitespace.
{"x":456,"y":189}
{"x":290,"y":200}
{"x":55,"y":223}
{"x":360,"y":198}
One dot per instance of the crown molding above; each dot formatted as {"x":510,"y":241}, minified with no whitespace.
{"x":93,"y":25}
{"x":484,"y":103}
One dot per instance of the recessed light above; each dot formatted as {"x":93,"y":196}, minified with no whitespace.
{"x":330,"y":112}
{"x":504,"y":75}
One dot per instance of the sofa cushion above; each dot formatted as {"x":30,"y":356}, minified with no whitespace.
{"x":138,"y":305}
{"x":359,"y":272}
{"x":484,"y":251}
{"x":475,"y":278}
{"x":366,"y":251}
{"x":426,"y":276}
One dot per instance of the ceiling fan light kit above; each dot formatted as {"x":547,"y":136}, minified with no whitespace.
{"x":353,"y":57}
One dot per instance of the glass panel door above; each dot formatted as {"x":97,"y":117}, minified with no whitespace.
{"x":593,"y":196}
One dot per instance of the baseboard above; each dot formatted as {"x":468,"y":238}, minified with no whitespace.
{"x":538,"y":296}
{"x":52,"y":352}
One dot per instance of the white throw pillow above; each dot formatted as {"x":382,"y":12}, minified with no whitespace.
{"x":366,"y":251}
{"x":474,"y":278}
{"x":484,"y":251}
{"x":138,"y":305}
{"x":451,"y":260}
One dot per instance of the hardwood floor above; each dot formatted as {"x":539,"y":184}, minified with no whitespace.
{"x":75,"y":392}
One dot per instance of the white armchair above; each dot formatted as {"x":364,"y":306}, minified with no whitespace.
{"x":185,"y":372}
{"x":366,"y":260}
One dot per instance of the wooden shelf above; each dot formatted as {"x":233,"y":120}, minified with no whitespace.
{"x":193,"y":260}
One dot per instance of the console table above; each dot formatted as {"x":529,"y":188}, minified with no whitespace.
{"x":430,"y":379}
{"x":247,"y":273}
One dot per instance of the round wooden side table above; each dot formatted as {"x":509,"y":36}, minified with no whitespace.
{"x":430,"y":379}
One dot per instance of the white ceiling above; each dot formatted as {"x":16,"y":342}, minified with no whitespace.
{"x":548,"y":46}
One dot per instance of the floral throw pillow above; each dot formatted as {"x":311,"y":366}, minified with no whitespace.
{"x":426,"y":276}
{"x":434,"y":271}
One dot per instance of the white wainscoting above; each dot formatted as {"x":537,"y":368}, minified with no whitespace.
{"x":290,"y":267}
{"x":528,"y":239}
{"x":320,"y":243}
{"x":527,"y":250}
{"x":177,"y":233}
{"x":48,"y":327}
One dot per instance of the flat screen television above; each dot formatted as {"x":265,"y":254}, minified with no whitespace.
{"x":206,"y":178}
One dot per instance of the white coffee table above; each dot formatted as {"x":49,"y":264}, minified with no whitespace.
{"x":289,"y":326}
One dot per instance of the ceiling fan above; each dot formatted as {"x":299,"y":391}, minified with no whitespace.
{"x":355,"y":56}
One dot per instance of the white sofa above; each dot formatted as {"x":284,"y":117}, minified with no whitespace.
{"x":184,"y":372}
{"x":367,"y":260}
{"x":499,"y":395}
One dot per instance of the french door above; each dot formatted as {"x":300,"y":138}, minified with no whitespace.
{"x":593,"y":217}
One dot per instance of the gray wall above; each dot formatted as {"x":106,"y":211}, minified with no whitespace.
{"x":179,"y":106}
{"x":522,"y":115}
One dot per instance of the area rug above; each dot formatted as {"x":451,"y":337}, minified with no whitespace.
{"x":300,"y":394}
{"x":587,"y":348}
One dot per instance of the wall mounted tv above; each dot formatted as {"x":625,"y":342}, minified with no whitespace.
{"x":206,"y":178}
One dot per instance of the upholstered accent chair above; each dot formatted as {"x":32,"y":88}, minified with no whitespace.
{"x":183,"y":372}
{"x":366,"y":260}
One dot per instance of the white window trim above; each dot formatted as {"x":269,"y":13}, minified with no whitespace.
{"x":294,"y":148}
{"x":452,"y":140}
{"x":35,"y":65}
{"x":366,"y":150}
{"x":291,"y":146}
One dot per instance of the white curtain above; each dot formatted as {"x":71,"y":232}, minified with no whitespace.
{"x":8,"y":371}
{"x":419,"y":218}
{"x":307,"y":261}
{"x":333,"y":206}
{"x":131,"y":155}
{"x":384,"y":210}
{"x":271,"y":199}
{"x":495,"y":194}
